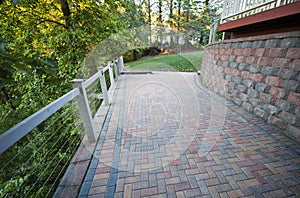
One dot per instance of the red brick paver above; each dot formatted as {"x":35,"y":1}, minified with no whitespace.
{"x":167,"y":136}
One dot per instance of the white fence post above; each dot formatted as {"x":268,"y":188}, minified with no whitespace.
{"x":103,"y":86}
{"x":85,"y":111}
{"x":116,"y":66}
{"x":120,"y":65}
{"x":111,"y":73}
{"x":210,"y":34}
{"x":215,"y":31}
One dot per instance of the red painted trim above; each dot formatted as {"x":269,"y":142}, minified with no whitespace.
{"x":268,"y":30}
{"x":275,"y":13}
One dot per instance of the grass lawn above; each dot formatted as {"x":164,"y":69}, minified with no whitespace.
{"x":185,"y":62}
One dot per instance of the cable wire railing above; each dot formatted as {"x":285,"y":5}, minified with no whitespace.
{"x":236,"y":9}
{"x":35,"y":153}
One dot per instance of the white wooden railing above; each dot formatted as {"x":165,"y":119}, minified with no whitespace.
{"x":13,"y":135}
{"x":236,"y":9}
{"x":35,"y":171}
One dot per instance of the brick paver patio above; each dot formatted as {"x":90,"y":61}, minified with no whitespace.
{"x":165,"y":135}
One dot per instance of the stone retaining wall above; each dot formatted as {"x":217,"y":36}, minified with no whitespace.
{"x":260,"y":74}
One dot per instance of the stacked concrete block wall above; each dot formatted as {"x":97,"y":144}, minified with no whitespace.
{"x":260,"y":74}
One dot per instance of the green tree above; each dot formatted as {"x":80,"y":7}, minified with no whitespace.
{"x":50,"y":39}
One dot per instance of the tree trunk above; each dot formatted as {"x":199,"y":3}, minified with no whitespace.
{"x":160,"y":12}
{"x":66,"y":11}
{"x":179,"y":15}
{"x":187,"y":18}
{"x":149,"y":21}
{"x":171,"y":9}
{"x":188,"y":7}
{"x":200,"y":42}
{"x":171,"y":17}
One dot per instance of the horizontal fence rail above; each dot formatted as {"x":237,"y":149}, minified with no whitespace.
{"x":235,"y":9}
{"x":52,"y":133}
{"x":17,"y":132}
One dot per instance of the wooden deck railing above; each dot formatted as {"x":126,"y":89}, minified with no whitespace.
{"x":236,"y":9}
